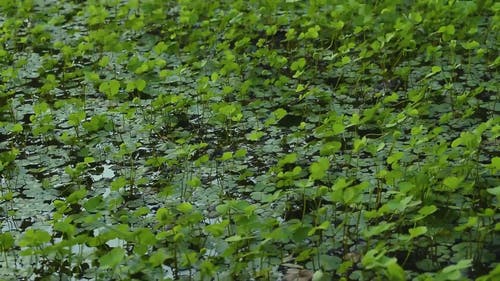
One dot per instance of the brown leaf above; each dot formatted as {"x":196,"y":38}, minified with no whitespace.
{"x":295,"y":274}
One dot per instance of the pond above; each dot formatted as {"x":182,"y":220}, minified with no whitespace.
{"x":249,"y":140}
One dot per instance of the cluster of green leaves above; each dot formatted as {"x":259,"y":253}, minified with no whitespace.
{"x":218,"y":140}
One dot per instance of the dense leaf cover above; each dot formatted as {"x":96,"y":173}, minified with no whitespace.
{"x":249,"y":140}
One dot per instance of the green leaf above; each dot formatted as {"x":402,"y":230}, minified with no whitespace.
{"x":494,"y":190}
{"x":330,"y":148}
{"x":142,"y":68}
{"x":470,"y":45}
{"x":318,"y":169}
{"x":93,"y":203}
{"x":207,"y":268}
{"x":298,"y":64}
{"x":112,"y":259}
{"x":184,"y":207}
{"x":234,"y":238}
{"x":359,"y":143}
{"x":323,"y":226}
{"x":495,"y":164}
{"x":372,"y":258}
{"x":417,"y":231}
{"x":76,"y":196}
{"x":396,"y":156}
{"x":158,"y":257}
{"x":226,"y":156}
{"x":317,"y":276}
{"x":343,"y":61}
{"x":189,"y":258}
{"x":391,"y":98}
{"x":448,"y":29}
{"x":110,"y":88}
{"x":65,"y":227}
{"x":338,"y":24}
{"x":194,"y":182}
{"x":395,"y":272}
{"x":341,"y":183}
{"x":471,"y":223}
{"x":453,"y":272}
{"x":34,"y":238}
{"x":145,"y":236}
{"x":103,"y":62}
{"x":425,"y":211}
{"x":6,"y":241}
{"x":16,"y":128}
{"x":160,"y":47}
{"x":130,"y":86}
{"x":378,"y":229}
{"x":164,"y":216}
{"x":288,"y":159}
{"x":338,"y":128}
{"x":279,"y":113}
{"x":453,"y":182}
{"x":217,"y":229}
{"x":240,"y":153}
{"x":415,"y":17}
{"x":88,"y":160}
{"x":118,"y":183}
{"x":349,"y":196}
{"x":140,"y":84}
{"x":305,"y":254}
{"x":312,"y":32}
{"x":436,"y":69}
